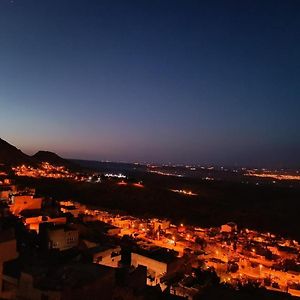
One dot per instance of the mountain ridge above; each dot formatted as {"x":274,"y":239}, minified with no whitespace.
{"x":11,"y":155}
{"x":51,"y":157}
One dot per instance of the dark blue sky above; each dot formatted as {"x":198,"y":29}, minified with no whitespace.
{"x":180,"y":81}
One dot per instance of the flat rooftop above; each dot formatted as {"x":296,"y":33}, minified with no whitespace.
{"x":160,"y":254}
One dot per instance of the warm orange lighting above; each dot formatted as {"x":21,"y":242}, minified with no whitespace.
{"x":122,"y":183}
{"x":44,"y":170}
{"x":273,"y":175}
{"x":188,"y":193}
{"x":139,"y":184}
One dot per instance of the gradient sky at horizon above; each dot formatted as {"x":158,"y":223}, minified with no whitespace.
{"x":157,"y":81}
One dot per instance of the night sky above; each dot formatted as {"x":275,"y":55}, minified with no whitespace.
{"x":157,"y":81}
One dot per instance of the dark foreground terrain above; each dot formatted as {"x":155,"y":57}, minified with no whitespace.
{"x":264,"y":207}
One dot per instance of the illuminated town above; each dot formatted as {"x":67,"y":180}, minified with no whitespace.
{"x":44,"y":170}
{"x":48,"y":170}
{"x":238,"y":256}
{"x":149,"y":150}
{"x":273,"y":175}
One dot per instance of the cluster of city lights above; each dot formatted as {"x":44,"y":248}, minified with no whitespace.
{"x":247,"y":256}
{"x":273,"y":175}
{"x":185,"y":192}
{"x":112,"y":175}
{"x":165,"y":173}
{"x":136,"y":184}
{"x":46,"y":170}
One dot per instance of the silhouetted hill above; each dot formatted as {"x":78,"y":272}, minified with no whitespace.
{"x":10,"y":155}
{"x":50,"y":157}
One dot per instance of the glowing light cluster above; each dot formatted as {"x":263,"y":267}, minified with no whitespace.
{"x":46,"y":170}
{"x":165,"y":173}
{"x":185,"y":192}
{"x":273,"y":175}
{"x":114,"y":175}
